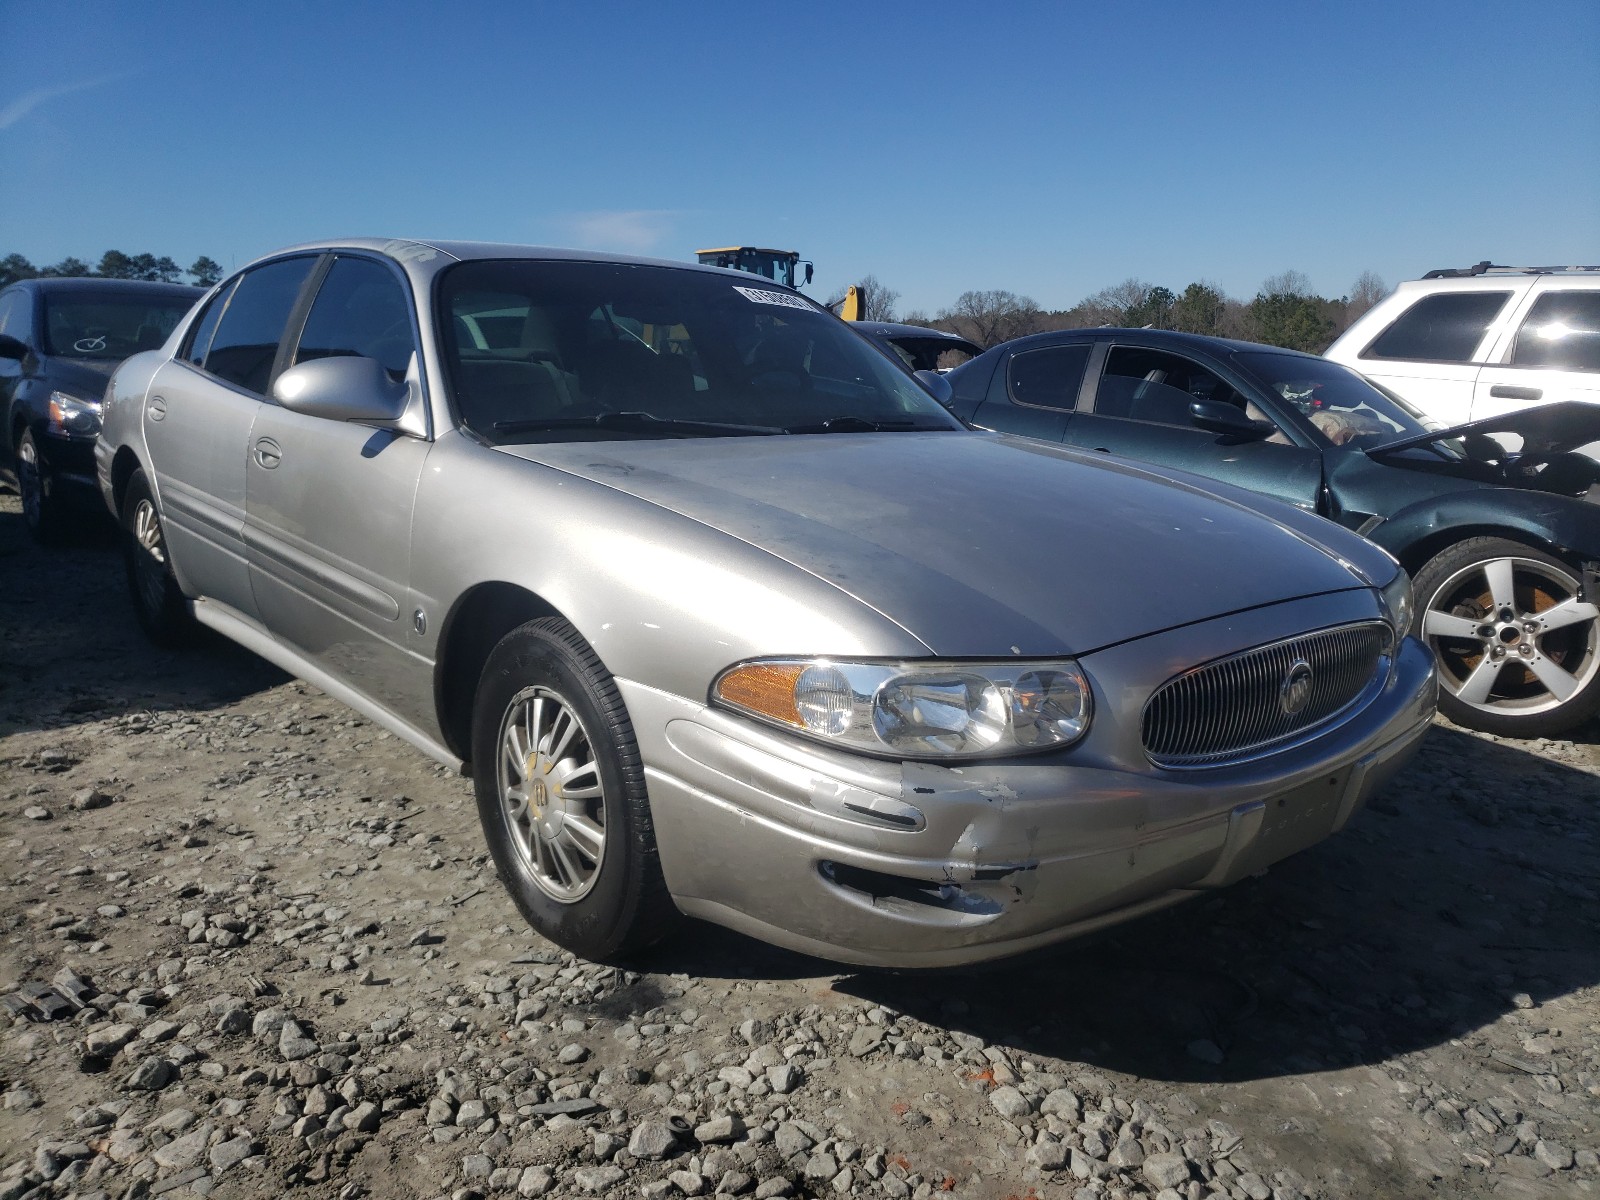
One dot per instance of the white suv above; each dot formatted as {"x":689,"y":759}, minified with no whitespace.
{"x":1471,"y":343}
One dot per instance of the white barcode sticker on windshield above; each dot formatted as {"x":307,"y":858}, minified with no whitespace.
{"x":762,"y":296}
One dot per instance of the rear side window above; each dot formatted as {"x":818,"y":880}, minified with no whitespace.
{"x":1446,"y":327}
{"x":246,"y":340}
{"x":206,"y":327}
{"x":361,"y":309}
{"x":15,"y":310}
{"x":1562,"y":331}
{"x":1049,"y":378}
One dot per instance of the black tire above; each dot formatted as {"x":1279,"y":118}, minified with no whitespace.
{"x":157,"y":600}
{"x":1482,"y":607}
{"x":41,"y":511}
{"x":538,"y":812}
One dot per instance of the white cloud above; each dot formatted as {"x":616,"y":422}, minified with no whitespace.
{"x":28,"y":101}
{"x":636,"y":232}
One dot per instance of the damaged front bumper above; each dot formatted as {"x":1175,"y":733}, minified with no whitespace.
{"x":908,"y":864}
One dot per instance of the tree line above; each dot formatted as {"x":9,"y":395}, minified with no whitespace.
{"x":113,"y":264}
{"x":1285,"y":311}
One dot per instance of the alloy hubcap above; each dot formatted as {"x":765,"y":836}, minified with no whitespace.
{"x":1513,"y":635}
{"x":551,"y":794}
{"x":151,"y":559}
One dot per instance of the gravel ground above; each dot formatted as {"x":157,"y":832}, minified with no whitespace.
{"x":277,"y":963}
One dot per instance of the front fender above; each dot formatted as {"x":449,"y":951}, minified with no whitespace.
{"x":1561,"y":525}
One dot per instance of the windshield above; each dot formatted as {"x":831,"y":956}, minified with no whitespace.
{"x":539,"y":350}
{"x":107,"y":326}
{"x":1341,"y":406}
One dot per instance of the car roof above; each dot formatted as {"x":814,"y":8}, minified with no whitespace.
{"x":1171,"y":338}
{"x":1505,"y":281}
{"x":423,"y":255}
{"x":896,"y":329}
{"x":99,"y":283}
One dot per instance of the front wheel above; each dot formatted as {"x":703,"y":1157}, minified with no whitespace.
{"x":41,"y":511}
{"x":561,"y":795}
{"x":1516,"y":638}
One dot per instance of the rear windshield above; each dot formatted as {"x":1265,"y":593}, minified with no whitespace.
{"x":539,"y":350}
{"x":109,"y":326}
{"x":1340,"y":405}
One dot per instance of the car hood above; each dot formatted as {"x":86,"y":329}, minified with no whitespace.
{"x":978,"y":545}
{"x":1546,"y":428}
{"x":80,"y":376}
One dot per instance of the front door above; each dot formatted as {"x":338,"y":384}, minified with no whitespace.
{"x":1141,"y":410}
{"x":329,"y":502}
{"x":1552,"y":354}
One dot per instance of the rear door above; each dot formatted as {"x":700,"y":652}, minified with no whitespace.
{"x":1035,"y":391}
{"x":1431,"y":353}
{"x":329,"y":502}
{"x":197,"y":416}
{"x":1141,"y":410}
{"x":1550,"y":352}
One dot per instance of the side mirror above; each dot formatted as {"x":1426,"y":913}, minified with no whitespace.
{"x":1218,"y":416}
{"x":11,"y":348}
{"x":808,"y":272}
{"x":346,"y":388}
{"x":937,"y":385}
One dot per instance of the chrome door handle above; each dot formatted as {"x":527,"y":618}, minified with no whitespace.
{"x":268,"y":453}
{"x":1504,"y":391}
{"x":157,"y":408}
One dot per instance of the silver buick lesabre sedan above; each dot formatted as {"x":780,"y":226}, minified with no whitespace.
{"x":726,"y":616}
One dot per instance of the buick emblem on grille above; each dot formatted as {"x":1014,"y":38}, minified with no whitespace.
{"x":1295,"y":693}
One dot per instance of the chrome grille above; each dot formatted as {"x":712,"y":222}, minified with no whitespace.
{"x":1234,"y":708}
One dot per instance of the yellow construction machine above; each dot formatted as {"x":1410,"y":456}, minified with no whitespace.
{"x":780,"y":266}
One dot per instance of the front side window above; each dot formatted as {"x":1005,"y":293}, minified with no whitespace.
{"x":1562,"y":331}
{"x":246,"y":340}
{"x":361,"y":309}
{"x":540,"y":350}
{"x":1157,"y":386}
{"x":108,"y":326}
{"x":1049,"y":378}
{"x":1446,"y":327}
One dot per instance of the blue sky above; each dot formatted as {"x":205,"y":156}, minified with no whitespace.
{"x":1046,"y":149}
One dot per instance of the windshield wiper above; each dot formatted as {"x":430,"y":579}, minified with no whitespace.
{"x":633,"y":422}
{"x":855,"y":424}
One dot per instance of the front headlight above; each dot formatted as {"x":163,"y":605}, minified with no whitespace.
{"x":73,"y":415}
{"x":1398,"y":604}
{"x":915,"y":709}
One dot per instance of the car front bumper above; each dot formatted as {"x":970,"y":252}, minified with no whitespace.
{"x":904,"y":864}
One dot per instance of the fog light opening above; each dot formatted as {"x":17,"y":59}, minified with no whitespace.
{"x":897,"y":891}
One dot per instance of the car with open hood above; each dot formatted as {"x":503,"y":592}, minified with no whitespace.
{"x":725,"y":615}
{"x":918,"y":346}
{"x":1498,"y":520}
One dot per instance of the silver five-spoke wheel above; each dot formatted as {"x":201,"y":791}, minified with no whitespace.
{"x":151,"y":569}
{"x":1513,"y":635}
{"x":554,"y":799}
